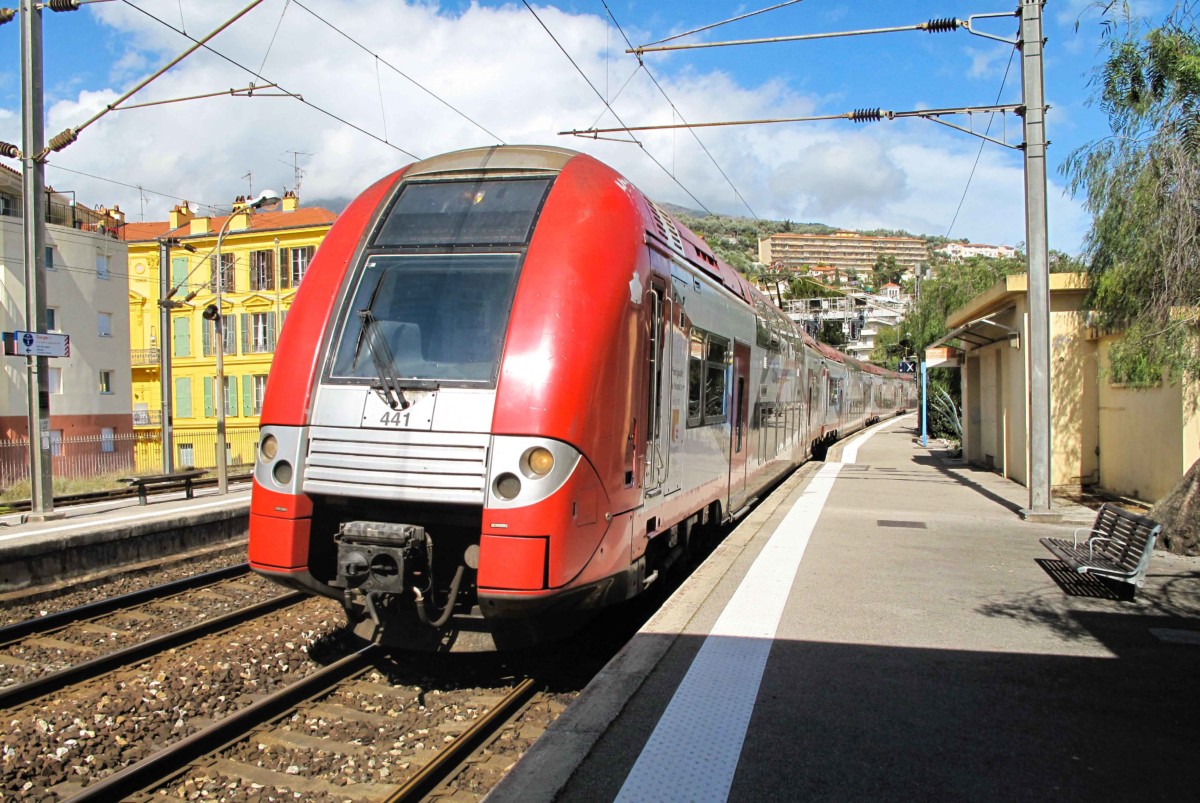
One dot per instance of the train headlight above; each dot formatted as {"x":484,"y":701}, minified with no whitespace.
{"x":507,"y":486}
{"x":269,"y":448}
{"x":539,"y":461}
{"x":282,"y":472}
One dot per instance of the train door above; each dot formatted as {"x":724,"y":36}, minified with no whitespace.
{"x":658,"y":440}
{"x":739,"y":441}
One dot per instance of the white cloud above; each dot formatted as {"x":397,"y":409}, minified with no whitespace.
{"x":500,"y":68}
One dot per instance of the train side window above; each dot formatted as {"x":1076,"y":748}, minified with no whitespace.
{"x":714,"y":380}
{"x":695,"y":378}
{"x":708,"y":356}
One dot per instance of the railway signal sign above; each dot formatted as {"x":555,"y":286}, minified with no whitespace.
{"x":907,"y":367}
{"x":36,"y":344}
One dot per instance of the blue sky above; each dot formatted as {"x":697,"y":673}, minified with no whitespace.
{"x":508,"y":80}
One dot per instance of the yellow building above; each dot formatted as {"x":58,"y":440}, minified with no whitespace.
{"x":1135,"y":442}
{"x":264,"y":256}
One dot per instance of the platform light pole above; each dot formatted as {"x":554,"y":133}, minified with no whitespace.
{"x":215,"y":314}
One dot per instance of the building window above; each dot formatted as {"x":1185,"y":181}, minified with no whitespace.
{"x":260,"y":389}
{"x":187,"y":455}
{"x":107,"y":439}
{"x":103,"y":263}
{"x":261,"y":337}
{"x":49,"y":257}
{"x":300,"y":259}
{"x":51,"y":319}
{"x":708,"y":355}
{"x":56,"y":439}
{"x":228,"y":333}
{"x":228,"y":273}
{"x":104,"y":324}
{"x":9,"y":207}
{"x":262,"y":270}
{"x":54,"y":380}
{"x":106,"y":383}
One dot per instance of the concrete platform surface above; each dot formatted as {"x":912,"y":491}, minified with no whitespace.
{"x":904,"y":636}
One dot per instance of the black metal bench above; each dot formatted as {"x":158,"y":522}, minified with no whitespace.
{"x":160,"y":482}
{"x":1118,"y":546}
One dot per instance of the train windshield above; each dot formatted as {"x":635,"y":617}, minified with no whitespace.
{"x":420,"y":319}
{"x":472,"y":212}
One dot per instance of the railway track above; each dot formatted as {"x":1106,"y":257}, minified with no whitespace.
{"x":97,"y":713}
{"x":67,"y":647}
{"x":347,"y":698}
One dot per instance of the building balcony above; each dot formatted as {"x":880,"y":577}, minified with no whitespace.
{"x":143,"y":357}
{"x":147,"y":418}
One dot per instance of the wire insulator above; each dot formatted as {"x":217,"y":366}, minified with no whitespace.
{"x":10,"y":150}
{"x":63,"y":5}
{"x":941,"y":25}
{"x":60,"y":141}
{"x":7,"y":15}
{"x":866,"y":115}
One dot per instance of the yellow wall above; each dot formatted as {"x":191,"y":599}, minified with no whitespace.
{"x":197,"y":425}
{"x":995,"y":382}
{"x":1149,"y":437}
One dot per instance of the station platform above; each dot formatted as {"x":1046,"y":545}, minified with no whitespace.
{"x":116,"y":532}
{"x":886,"y":626}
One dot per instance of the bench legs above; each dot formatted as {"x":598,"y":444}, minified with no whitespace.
{"x":187,"y":487}
{"x":142,"y":497}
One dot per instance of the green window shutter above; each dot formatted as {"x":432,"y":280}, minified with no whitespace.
{"x":206,"y":337}
{"x":270,"y":332}
{"x":229,"y":330}
{"x":179,"y":271}
{"x":208,"y":397}
{"x":183,"y":397}
{"x":183,"y":336}
{"x":245,"y":333}
{"x":285,"y":261}
{"x":231,"y":405}
{"x":247,"y":395}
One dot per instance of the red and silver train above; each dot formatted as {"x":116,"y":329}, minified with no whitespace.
{"x":509,"y":388}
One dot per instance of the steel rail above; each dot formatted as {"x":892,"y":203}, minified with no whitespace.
{"x":44,"y":624}
{"x":440,"y":767}
{"x":40,"y":687}
{"x":161,"y":766}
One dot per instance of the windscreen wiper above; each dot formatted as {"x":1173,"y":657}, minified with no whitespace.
{"x":381,"y":355}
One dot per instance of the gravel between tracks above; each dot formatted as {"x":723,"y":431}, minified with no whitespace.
{"x":32,"y":603}
{"x":51,"y":746}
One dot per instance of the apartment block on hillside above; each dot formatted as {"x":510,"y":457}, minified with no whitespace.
{"x":843,"y":251}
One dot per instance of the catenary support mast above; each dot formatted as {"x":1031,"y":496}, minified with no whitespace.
{"x":1037,"y":347}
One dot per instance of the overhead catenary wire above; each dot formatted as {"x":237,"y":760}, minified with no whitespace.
{"x":862,"y":115}
{"x":69,"y":135}
{"x":710,"y":26}
{"x":979,"y":153}
{"x":603,"y":100}
{"x":675,"y":110}
{"x":380,"y":60}
{"x":213,"y":207}
{"x":298,"y":97}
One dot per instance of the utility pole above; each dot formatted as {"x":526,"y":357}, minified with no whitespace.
{"x":1038,"y":344}
{"x":166,"y":344}
{"x":33,"y":131}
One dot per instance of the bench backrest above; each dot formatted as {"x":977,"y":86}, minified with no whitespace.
{"x":1131,"y":537}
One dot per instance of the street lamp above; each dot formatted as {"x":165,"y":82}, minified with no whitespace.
{"x":213,"y":313}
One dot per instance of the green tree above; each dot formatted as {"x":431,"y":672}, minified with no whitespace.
{"x":1142,"y":186}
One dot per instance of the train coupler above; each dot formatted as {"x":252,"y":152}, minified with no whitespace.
{"x":380,"y":557}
